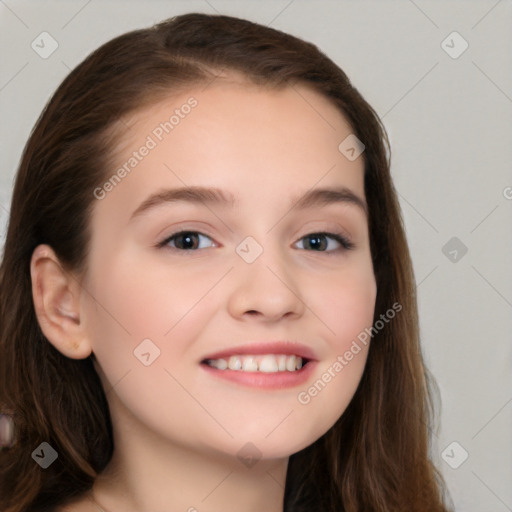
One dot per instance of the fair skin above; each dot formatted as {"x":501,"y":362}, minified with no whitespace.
{"x":177,"y":429}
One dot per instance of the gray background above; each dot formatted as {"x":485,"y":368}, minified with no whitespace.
{"x":449,"y":120}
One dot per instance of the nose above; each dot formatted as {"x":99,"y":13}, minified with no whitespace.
{"x":266,"y":288}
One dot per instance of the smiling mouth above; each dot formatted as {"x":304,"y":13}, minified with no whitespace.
{"x":264,"y":363}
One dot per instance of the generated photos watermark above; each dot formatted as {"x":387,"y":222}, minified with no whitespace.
{"x":156,"y":136}
{"x":304,"y":397}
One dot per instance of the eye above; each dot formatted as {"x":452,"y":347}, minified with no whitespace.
{"x":184,"y":240}
{"x":317,"y":241}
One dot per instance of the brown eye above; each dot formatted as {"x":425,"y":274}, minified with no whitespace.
{"x":183,"y":240}
{"x":318,"y":242}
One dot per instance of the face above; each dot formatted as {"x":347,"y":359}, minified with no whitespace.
{"x":261,"y":268}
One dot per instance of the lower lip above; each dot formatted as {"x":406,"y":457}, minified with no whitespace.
{"x":277,"y":380}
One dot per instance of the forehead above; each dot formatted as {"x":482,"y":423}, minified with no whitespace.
{"x":237,"y":136}
{"x":234,"y":103}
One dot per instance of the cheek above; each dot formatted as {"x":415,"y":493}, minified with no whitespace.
{"x":347,"y":303}
{"x":146,"y":300}
{"x":132,"y":303}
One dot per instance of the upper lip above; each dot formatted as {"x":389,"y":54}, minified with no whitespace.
{"x":266,"y":347}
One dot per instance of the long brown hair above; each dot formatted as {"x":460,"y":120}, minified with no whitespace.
{"x":376,"y":456}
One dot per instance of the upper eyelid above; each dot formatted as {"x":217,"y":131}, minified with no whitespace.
{"x":195,"y":231}
{"x":327,"y":233}
{"x":335,"y":228}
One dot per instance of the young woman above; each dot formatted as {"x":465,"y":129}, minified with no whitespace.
{"x":207,"y":301}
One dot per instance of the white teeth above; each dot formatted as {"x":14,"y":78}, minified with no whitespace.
{"x":249,"y":365}
{"x":269,"y":363}
{"x":290,"y":363}
{"x":222,"y":364}
{"x":235,"y":363}
{"x":281,"y":363}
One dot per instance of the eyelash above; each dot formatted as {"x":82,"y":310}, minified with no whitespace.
{"x":346,"y":245}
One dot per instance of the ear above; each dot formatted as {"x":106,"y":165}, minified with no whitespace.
{"x":56,"y":295}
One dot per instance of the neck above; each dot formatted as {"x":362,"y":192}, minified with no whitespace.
{"x":150,"y":474}
{"x":193,"y":485}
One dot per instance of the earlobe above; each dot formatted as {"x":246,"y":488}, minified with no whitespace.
{"x":56,"y":297}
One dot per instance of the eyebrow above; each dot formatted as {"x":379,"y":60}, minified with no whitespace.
{"x":213,"y":196}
